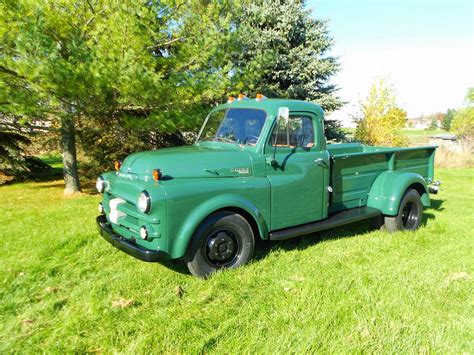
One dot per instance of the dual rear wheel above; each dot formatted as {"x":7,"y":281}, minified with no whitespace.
{"x":409,"y":214}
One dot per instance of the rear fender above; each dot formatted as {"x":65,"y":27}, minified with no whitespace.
{"x":390,"y":186}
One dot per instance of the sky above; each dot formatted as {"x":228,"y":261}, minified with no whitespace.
{"x":425,"y":48}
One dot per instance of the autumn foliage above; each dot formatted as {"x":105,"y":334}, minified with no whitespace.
{"x":381,"y":119}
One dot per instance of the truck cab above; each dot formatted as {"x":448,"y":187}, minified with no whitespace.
{"x":259,"y":168}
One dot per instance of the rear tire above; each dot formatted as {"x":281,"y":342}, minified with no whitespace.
{"x":409,"y":213}
{"x":224,"y":240}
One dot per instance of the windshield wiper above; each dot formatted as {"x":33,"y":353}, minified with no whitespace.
{"x":206,"y":139}
{"x":221,"y":139}
{"x":228,"y":140}
{"x":225,"y":139}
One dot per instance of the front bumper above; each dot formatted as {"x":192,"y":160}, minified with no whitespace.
{"x":127,"y":246}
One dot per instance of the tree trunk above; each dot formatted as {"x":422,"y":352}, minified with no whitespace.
{"x":68,"y":139}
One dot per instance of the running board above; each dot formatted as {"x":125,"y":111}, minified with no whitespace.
{"x":335,"y":220}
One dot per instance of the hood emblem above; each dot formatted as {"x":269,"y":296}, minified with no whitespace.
{"x":240,"y":171}
{"x":128,"y":176}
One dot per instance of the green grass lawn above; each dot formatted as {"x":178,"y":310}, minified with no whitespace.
{"x":408,"y":131}
{"x":412,"y":135}
{"x":344,"y":290}
{"x":55,"y":161}
{"x":420,"y":136}
{"x":422,"y":132}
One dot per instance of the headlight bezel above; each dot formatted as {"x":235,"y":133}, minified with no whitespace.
{"x":100,"y":184}
{"x":144,"y":196}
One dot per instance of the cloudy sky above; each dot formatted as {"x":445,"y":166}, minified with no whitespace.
{"x":425,"y":48}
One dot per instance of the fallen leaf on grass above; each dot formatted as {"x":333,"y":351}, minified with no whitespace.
{"x":28,"y":322}
{"x":51,"y":289}
{"x":423,"y":350}
{"x":298,"y":278}
{"x":365,"y":333}
{"x":457,"y":276}
{"x":179,"y":291}
{"x":122,"y":303}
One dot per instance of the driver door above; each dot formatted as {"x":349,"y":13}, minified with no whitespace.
{"x":296,"y":173}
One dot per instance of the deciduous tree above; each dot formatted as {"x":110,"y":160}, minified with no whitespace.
{"x":381,"y":119}
{"x":463,"y":121}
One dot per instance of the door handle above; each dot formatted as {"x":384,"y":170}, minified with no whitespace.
{"x":321,"y":162}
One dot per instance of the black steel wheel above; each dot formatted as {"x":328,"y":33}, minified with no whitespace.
{"x":223,"y":240}
{"x":409,"y":214}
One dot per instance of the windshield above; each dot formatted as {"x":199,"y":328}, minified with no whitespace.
{"x":234,"y":125}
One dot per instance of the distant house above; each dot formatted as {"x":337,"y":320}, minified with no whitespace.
{"x":418,"y":122}
{"x":424,"y":122}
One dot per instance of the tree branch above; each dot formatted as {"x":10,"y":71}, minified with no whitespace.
{"x":21,"y":127}
{"x":167,"y":43}
{"x":10,"y":72}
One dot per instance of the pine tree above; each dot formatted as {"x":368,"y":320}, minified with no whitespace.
{"x":448,"y":119}
{"x":283,"y":52}
{"x":80,"y":64}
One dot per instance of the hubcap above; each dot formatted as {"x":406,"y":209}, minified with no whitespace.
{"x":221,"y":247}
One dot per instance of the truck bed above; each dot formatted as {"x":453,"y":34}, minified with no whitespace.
{"x":354,"y":168}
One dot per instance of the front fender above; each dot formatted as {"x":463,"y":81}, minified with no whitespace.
{"x":181,"y":242}
{"x":389,"y":187}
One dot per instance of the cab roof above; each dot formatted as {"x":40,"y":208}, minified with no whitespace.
{"x":272,"y":105}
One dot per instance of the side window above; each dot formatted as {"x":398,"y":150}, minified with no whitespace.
{"x":299,"y":133}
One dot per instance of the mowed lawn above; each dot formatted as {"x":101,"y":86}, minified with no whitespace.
{"x":349,"y":289}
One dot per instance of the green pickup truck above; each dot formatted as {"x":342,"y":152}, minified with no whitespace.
{"x":260,"y":168}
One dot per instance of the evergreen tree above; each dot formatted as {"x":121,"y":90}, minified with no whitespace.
{"x":283,"y":52}
{"x":14,"y":161}
{"x":433,"y":124}
{"x":88,"y":62}
{"x":11,"y":151}
{"x":448,"y":119}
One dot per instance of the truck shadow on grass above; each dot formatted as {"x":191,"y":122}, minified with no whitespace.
{"x":436,"y":205}
{"x":264,"y":247}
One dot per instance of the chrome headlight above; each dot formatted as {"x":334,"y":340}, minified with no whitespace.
{"x":100,"y":184}
{"x":144,"y":202}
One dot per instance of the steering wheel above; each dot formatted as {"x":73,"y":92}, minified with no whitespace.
{"x":250,"y":139}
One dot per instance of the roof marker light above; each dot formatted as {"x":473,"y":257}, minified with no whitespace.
{"x":260,"y":97}
{"x":231,"y":99}
{"x":242,"y":97}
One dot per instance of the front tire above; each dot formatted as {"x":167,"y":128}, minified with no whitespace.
{"x":409,"y":213}
{"x":224,"y":240}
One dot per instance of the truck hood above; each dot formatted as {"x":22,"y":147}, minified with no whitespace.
{"x":189,"y":162}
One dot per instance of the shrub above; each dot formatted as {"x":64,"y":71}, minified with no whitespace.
{"x":382,"y":120}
